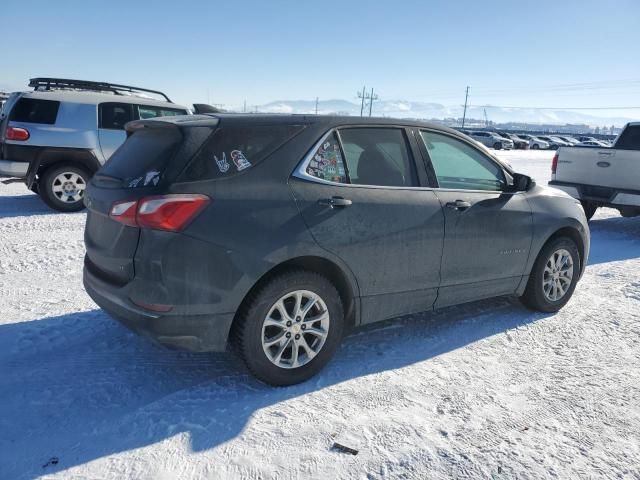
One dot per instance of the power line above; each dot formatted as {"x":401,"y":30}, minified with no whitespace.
{"x":556,"y":108}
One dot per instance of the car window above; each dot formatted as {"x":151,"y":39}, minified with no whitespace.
{"x":146,"y":111}
{"x":327,"y":162}
{"x":378,"y":156}
{"x":114,"y":116}
{"x":629,"y":138}
{"x":32,"y":110}
{"x":458,"y":165}
{"x":230,"y":150}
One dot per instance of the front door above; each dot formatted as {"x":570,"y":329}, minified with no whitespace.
{"x":359,"y":195}
{"x":488,"y":231}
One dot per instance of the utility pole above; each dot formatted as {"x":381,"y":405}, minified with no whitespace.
{"x":244,"y":107}
{"x":362,"y":96}
{"x":486,"y":120}
{"x":371,"y":99}
{"x":366,"y":98}
{"x":316,"y":105}
{"x":464,"y":115}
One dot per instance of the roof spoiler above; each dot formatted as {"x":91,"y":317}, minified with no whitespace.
{"x":206,"y":108}
{"x":177,"y":121}
{"x":46,"y":83}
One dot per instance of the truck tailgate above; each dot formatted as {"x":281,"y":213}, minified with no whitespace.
{"x":604,"y":167}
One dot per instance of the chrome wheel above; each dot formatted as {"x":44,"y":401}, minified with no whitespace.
{"x":68,"y":187}
{"x":558,"y":275}
{"x":295,"y":329}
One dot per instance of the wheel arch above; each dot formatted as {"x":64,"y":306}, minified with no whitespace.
{"x":49,"y":158}
{"x":574,"y":234}
{"x":347,"y":289}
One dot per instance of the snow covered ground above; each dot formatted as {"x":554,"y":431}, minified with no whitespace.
{"x":487,"y":390}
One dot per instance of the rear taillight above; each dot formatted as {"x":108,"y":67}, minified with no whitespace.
{"x":125,"y":212}
{"x":554,"y":164}
{"x":19,"y":134}
{"x":163,"y":212}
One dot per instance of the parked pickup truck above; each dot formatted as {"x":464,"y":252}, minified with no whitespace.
{"x":602,"y":176}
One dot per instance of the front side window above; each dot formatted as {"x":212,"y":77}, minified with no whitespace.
{"x":114,"y":116}
{"x":378,"y":156}
{"x":327,"y":162}
{"x":460,"y":166}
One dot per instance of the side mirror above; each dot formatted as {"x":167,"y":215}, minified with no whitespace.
{"x":522,"y":183}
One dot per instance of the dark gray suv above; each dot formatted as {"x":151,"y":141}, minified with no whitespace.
{"x":278,"y":233}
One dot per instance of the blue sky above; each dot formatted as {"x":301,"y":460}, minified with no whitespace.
{"x":510,"y":52}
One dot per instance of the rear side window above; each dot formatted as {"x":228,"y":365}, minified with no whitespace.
{"x":629,"y":139}
{"x":114,"y":116}
{"x":31,"y":110}
{"x":378,"y":156}
{"x":235,"y":148}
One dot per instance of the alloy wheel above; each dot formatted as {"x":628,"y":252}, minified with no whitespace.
{"x":295,"y":329}
{"x":557,"y":275}
{"x":68,"y":187}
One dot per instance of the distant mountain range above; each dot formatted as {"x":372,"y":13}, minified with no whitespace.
{"x":424,"y":110}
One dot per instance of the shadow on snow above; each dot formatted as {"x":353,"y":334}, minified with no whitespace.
{"x":80,"y":387}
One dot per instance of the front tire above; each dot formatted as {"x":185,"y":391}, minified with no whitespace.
{"x":497,"y":146}
{"x":554,"y":276}
{"x":288,"y":329}
{"x":535,"y":146}
{"x":62,"y":187}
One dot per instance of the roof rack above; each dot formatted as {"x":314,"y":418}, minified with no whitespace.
{"x":44,"y":83}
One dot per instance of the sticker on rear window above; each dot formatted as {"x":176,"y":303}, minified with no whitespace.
{"x":151,"y":177}
{"x":239,"y":160}
{"x":223,"y":165}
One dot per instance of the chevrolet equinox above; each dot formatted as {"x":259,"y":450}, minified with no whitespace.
{"x":276,"y":234}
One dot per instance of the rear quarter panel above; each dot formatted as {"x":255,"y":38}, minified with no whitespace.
{"x":251,"y":225}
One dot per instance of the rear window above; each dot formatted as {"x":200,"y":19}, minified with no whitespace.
{"x":233,"y":149}
{"x":140,"y":161}
{"x":31,"y":110}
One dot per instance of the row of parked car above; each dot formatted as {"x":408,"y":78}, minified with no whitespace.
{"x":521,"y":141}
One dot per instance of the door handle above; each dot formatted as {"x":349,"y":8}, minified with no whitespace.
{"x":459,"y":205}
{"x":605,"y":154}
{"x":335,"y":202}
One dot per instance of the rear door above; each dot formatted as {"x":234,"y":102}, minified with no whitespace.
{"x":364,"y":201}
{"x":112,"y":117}
{"x":488,"y":231}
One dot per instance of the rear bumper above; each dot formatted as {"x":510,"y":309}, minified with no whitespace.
{"x":196,"y":333}
{"x":605,"y":196}
{"x":10,"y":168}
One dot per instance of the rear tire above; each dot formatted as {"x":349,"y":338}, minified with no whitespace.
{"x":62,"y":187}
{"x":549,"y":287}
{"x":265,"y":336}
{"x":589,"y":209}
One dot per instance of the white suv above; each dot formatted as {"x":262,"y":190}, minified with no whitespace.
{"x":55,"y":137}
